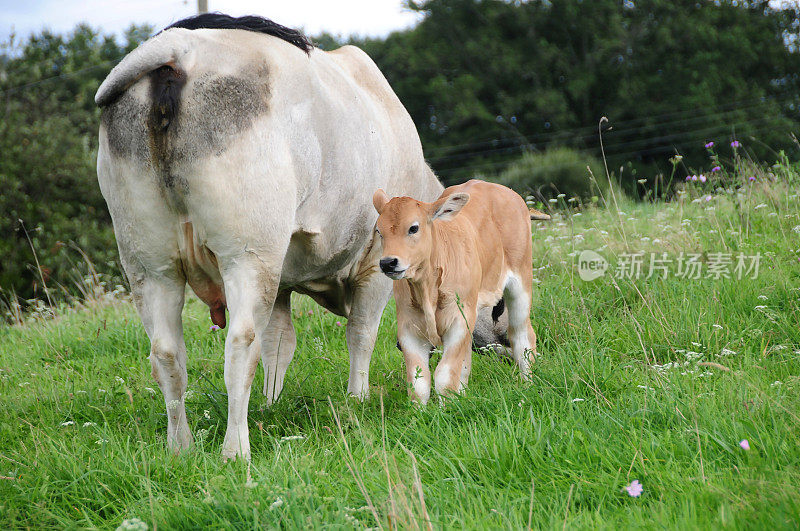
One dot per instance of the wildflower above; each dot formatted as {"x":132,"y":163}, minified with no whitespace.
{"x":132,"y":524}
{"x":68,"y":423}
{"x":634,"y":489}
{"x":641,"y":181}
{"x":206,"y":414}
{"x":213,"y":328}
{"x":716,"y":326}
{"x":101,"y":441}
{"x":716,"y":169}
{"x":293,"y":438}
{"x":561,"y":196}
{"x":735,"y":144}
{"x":277,"y":503}
{"x":119,"y":380}
{"x":708,"y":198}
{"x":762,"y":297}
{"x":752,"y":178}
{"x":694,"y":178}
{"x":89,"y":424}
{"x":688,"y":178}
{"x":101,"y":390}
{"x":702,"y":178}
{"x":554,"y":201}
{"x":709,"y":145}
{"x":577,"y":400}
{"x":338,"y":323}
{"x":744,"y":444}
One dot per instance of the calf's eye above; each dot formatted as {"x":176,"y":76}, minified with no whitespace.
{"x":413,"y":229}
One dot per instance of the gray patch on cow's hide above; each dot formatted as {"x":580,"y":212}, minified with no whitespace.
{"x":489,"y":331}
{"x":215,"y":109}
{"x":125,"y":121}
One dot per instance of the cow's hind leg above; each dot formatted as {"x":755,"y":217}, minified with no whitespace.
{"x":160,"y":302}
{"x":250,"y":289}
{"x":369,"y":299}
{"x":277,"y":346}
{"x":520,"y":331}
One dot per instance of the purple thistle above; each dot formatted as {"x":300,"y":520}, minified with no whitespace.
{"x":702,"y":178}
{"x":709,"y":145}
{"x":735,"y":144}
{"x":708,"y":198}
{"x":752,"y":178}
{"x":744,"y":444}
{"x":694,"y":177}
{"x":688,"y":177}
{"x":634,"y":489}
{"x":716,"y":169}
{"x":213,"y":328}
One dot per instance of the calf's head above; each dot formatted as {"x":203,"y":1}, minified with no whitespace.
{"x":405,"y":226}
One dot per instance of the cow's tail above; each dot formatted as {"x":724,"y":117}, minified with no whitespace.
{"x":166,"y":54}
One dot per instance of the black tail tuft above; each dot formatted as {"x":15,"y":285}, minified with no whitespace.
{"x":248,"y":23}
{"x":498,"y":310}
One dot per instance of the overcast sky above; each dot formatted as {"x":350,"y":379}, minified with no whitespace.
{"x":344,"y":17}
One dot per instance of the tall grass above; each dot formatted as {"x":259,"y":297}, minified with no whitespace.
{"x":650,"y":379}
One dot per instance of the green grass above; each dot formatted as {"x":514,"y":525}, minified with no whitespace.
{"x":82,"y":437}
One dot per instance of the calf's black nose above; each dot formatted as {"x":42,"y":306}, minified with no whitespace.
{"x":388,"y":264}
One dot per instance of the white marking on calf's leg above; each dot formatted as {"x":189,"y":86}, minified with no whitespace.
{"x":450,"y":373}
{"x":519,"y":324}
{"x":416,"y":353}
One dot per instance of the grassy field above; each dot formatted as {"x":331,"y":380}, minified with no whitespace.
{"x":649,"y":379}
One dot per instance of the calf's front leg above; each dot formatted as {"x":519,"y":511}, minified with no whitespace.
{"x":452,"y":373}
{"x":416,"y":352}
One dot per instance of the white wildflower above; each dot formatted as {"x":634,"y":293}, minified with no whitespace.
{"x":132,"y":524}
{"x":68,"y":423}
{"x":293,"y":438}
{"x":277,"y":503}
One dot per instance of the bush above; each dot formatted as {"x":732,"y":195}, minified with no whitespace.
{"x":555,"y":171}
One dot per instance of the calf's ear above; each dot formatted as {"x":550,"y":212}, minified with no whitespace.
{"x":446,"y":208}
{"x":379,"y":200}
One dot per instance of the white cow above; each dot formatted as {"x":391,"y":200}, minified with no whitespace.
{"x":242,"y":161}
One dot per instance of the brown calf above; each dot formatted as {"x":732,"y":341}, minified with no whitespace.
{"x":448,"y":259}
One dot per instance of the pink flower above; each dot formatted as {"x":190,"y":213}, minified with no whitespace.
{"x":716,"y":169}
{"x":213,"y":328}
{"x":735,"y":144}
{"x":338,"y":323}
{"x":634,"y":489}
{"x":702,"y":178}
{"x":694,"y":177}
{"x":752,"y":178}
{"x":688,"y":177}
{"x":310,"y":312}
{"x":708,"y":198}
{"x":744,"y":444}
{"x":709,"y":145}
